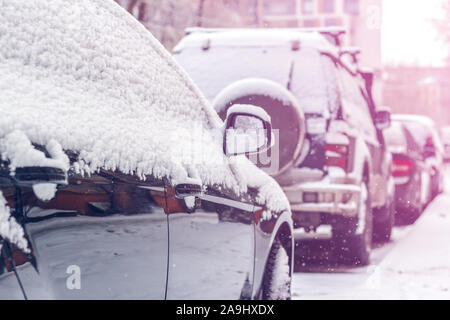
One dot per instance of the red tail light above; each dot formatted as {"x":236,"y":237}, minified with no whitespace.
{"x":402,"y":167}
{"x":336,"y":155}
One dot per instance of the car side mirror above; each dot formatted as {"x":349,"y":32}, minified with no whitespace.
{"x":187,"y":193}
{"x":248,"y":130}
{"x":383,"y":119}
{"x":184,"y":190}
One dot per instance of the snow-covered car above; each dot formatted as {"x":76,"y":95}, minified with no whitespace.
{"x":113,"y":179}
{"x":343,"y":170}
{"x":430,"y":146}
{"x":411,"y":173}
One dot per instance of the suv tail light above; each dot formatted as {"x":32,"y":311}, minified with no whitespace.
{"x":336,"y":155}
{"x":402,"y":167}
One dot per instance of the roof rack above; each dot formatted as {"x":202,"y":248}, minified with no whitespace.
{"x":354,"y":52}
{"x":332,"y":33}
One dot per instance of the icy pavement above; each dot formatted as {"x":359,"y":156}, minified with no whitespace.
{"x":415,"y":264}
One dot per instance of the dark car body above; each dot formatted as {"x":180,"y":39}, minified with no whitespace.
{"x":129,"y":239}
{"x":410,"y":171}
{"x":137,"y":218}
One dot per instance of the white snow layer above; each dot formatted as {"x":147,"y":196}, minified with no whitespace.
{"x":281,"y":282}
{"x":17,"y":148}
{"x":249,"y":109}
{"x":86,"y":74}
{"x":252,"y":86}
{"x":9,"y":228}
{"x":45,"y":191}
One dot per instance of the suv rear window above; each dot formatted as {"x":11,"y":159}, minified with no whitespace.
{"x":303,"y":71}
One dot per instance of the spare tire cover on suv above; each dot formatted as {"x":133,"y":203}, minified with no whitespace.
{"x":288,"y":121}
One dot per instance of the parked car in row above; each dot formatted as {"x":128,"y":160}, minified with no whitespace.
{"x":411,"y":172}
{"x":111,"y":145}
{"x":445,"y":138}
{"x":341,"y":177}
{"x":424,"y":131}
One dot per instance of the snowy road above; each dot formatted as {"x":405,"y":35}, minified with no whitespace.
{"x":415,"y":264}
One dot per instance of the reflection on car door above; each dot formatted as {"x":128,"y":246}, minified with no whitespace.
{"x":211,"y":249}
{"x":102,"y":237}
{"x":9,"y":284}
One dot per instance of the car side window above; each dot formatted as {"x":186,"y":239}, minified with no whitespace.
{"x":355,"y":107}
{"x":332,"y":84}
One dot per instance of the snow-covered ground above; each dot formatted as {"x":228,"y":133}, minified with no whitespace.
{"x":415,"y":264}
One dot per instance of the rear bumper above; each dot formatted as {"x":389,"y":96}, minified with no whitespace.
{"x":334,"y":199}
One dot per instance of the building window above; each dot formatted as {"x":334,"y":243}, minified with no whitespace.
{"x":328,"y":6}
{"x":307,"y":6}
{"x":251,"y":7}
{"x":351,"y":6}
{"x":332,"y":22}
{"x":249,"y":10}
{"x":280,"y":7}
{"x":311,"y":23}
{"x":292,"y":24}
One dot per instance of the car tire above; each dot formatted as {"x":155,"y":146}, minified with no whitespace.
{"x":276,"y":283}
{"x":382,"y":230}
{"x":412,"y":215}
{"x":356,"y":248}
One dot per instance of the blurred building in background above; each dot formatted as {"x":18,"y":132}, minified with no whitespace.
{"x":418,"y":90}
{"x":167,"y":19}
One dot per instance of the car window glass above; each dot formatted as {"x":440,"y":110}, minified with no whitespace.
{"x":220,"y":66}
{"x":420,"y":133}
{"x":331,"y":81}
{"x":412,"y":144}
{"x":310,"y":83}
{"x":355,"y":107}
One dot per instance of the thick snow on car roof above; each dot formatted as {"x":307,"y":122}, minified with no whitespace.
{"x":86,"y":75}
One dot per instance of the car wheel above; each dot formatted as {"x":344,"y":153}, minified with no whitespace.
{"x":356,"y":248}
{"x":277,"y":276}
{"x":382,"y":230}
{"x":411,"y":216}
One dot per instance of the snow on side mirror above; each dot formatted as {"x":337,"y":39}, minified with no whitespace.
{"x":187,"y":192}
{"x":248,"y":130}
{"x":383,"y":119}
